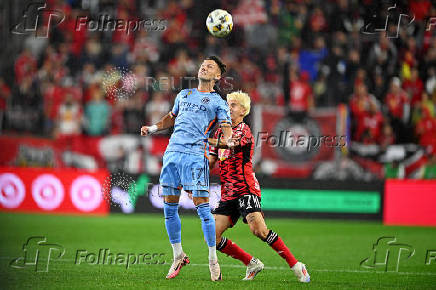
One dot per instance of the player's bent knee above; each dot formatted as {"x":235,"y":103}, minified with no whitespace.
{"x":171,"y":198}
{"x":259,"y":231}
{"x":200,"y":200}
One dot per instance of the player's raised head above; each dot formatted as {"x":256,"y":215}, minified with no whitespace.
{"x":239,"y":103}
{"x":212,"y":68}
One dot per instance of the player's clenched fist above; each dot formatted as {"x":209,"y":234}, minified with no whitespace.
{"x":146,"y":130}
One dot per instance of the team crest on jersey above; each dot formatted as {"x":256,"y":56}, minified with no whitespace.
{"x":205,"y":100}
{"x":223,"y":154}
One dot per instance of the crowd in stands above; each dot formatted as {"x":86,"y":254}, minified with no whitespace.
{"x":389,"y":83}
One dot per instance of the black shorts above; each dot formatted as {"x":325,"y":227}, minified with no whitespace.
{"x":237,"y":207}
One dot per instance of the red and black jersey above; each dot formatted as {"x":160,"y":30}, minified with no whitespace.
{"x":236,"y":169}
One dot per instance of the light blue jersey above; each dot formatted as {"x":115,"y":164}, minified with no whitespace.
{"x":196,"y":113}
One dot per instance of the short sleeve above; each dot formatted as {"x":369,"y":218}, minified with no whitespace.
{"x":223,"y":113}
{"x":214,"y":150}
{"x":175,"y":110}
{"x":246,"y":137}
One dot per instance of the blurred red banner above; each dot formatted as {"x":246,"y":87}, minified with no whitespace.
{"x":410,"y":202}
{"x":66,"y":191}
{"x":279,"y":137}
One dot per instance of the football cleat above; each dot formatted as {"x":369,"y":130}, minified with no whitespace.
{"x":215,"y":271}
{"x":301,"y":272}
{"x":253,"y":269}
{"x":177,"y":265}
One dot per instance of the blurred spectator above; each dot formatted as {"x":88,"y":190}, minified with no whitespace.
{"x":398,"y":106}
{"x":414,"y":86}
{"x":133,"y":113}
{"x":320,"y":91}
{"x":145,"y":49}
{"x":387,"y":136}
{"x":383,"y":56}
{"x":317,"y":21}
{"x":430,"y":168}
{"x":379,"y":86}
{"x":5,"y":94}
{"x":157,"y":107}
{"x":426,"y":130}
{"x":425,"y":104}
{"x":430,"y":84}
{"x":310,"y":58}
{"x":36,"y":45}
{"x":97,"y":115}
{"x":25,"y":66}
{"x":69,"y":118}
{"x":92,"y":53}
{"x":301,"y":97}
{"x":369,"y":127}
{"x":290,"y":23}
{"x":119,"y":54}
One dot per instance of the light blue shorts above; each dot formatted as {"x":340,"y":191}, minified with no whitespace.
{"x":185,"y":170}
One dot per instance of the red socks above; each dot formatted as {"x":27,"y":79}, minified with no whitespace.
{"x":226,"y":246}
{"x":275,"y":242}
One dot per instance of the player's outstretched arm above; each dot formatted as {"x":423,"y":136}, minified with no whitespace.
{"x":220,"y":143}
{"x":227,"y":135}
{"x":166,"y":122}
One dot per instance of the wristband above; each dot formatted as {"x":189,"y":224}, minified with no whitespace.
{"x":152,"y":129}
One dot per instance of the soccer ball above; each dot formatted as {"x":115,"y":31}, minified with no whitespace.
{"x":219,"y":23}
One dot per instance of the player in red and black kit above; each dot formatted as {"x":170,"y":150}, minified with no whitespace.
{"x":240,"y":193}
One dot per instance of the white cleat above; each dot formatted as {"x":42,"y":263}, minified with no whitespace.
{"x":301,"y":272}
{"x":177,"y":266}
{"x":253,"y":269}
{"x":215,"y":271}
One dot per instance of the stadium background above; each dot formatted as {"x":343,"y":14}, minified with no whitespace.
{"x":72,"y":104}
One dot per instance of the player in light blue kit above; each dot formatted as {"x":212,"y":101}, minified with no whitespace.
{"x":185,"y":162}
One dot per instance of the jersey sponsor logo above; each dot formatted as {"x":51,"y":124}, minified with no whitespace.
{"x":205,"y":100}
{"x":191,"y":107}
{"x":223,"y":154}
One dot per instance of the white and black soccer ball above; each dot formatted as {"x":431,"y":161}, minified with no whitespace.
{"x":219,"y":23}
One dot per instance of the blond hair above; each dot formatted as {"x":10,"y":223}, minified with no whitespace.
{"x":242,"y":98}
